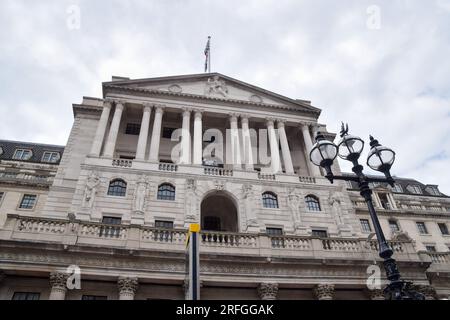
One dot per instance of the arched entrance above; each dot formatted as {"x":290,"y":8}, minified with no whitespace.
{"x":219,"y":213}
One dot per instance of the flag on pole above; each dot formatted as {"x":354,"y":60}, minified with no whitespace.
{"x":207,"y":55}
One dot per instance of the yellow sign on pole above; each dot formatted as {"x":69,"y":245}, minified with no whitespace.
{"x":193,"y":227}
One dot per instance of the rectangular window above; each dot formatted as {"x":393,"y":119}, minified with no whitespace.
{"x":422,"y":228}
{"x":112,"y":220}
{"x":28,"y":201}
{"x":430,"y":248}
{"x":22,"y":154}
{"x":416,"y":189}
{"x":274,"y":231}
{"x":384,"y":201}
{"x":394,"y":226}
{"x":26,"y":296}
{"x":164,"y":224}
{"x":133,"y":128}
{"x":50,"y":157}
{"x":111,"y":228}
{"x":90,"y":297}
{"x":167,"y":132}
{"x":365,"y":226}
{"x":443,"y":228}
{"x":319,"y":233}
{"x":397,"y":188}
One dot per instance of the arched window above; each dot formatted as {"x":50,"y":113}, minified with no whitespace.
{"x":312,"y":203}
{"x":270,"y":200}
{"x":117,"y":187}
{"x":166,"y":191}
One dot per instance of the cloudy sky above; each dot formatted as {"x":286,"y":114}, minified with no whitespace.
{"x":381,"y":66}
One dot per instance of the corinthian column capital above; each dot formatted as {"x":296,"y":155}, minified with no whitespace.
{"x":324,"y":291}
{"x":268,"y":290}
{"x":58,"y":280}
{"x":127,"y":287}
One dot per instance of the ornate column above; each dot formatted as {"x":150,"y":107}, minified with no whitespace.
{"x":247,"y":141}
{"x":235,"y":146}
{"x":268,"y":291}
{"x":114,"y":130}
{"x":274,"y":150}
{"x":285,"y":148}
{"x":377,"y":294}
{"x":156,"y":134}
{"x":58,"y":282}
{"x":127,"y":288}
{"x":186,"y":137}
{"x":198,"y":138}
{"x":143,"y":133}
{"x":101,"y":129}
{"x":324,"y":291}
{"x":314,"y":170}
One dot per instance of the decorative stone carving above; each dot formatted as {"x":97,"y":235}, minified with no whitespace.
{"x":268,"y":290}
{"x":175,"y":88}
{"x":335,"y":204}
{"x":90,"y":190}
{"x":139,"y":195}
{"x":58,"y":282}
{"x":293,"y":202}
{"x":377,"y":294}
{"x":252,"y":220}
{"x":255,"y":98}
{"x":219,"y":185}
{"x":216,"y":86}
{"x":127,"y":287}
{"x":324,"y":291}
{"x":191,"y":201}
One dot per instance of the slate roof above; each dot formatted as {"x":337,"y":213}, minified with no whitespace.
{"x":404,"y":182}
{"x":38,"y":150}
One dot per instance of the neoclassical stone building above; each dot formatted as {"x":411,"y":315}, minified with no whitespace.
{"x":116,"y":201}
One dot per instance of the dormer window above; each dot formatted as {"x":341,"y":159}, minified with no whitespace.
{"x":22,"y":154}
{"x":433,"y":190}
{"x":397,"y":188}
{"x":50,"y":157}
{"x":415,"y":189}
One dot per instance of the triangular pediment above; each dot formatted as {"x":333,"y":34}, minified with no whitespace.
{"x":212,"y":85}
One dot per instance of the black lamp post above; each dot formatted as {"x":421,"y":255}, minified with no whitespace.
{"x":380,"y":159}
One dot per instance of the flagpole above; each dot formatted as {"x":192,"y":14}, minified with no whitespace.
{"x":209,"y":55}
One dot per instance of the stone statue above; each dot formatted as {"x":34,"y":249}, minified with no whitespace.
{"x":293,"y":202}
{"x":139,"y":195}
{"x":252,"y":220}
{"x":191,"y":200}
{"x":335,"y":204}
{"x":91,"y":190}
{"x":215,"y":85}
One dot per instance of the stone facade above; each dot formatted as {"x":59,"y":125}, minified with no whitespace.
{"x":117,"y":202}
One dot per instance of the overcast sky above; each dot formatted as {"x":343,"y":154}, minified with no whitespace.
{"x":381,"y":66}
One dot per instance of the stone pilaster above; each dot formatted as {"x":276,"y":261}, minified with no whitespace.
{"x":268,"y":291}
{"x":127,"y":287}
{"x":101,"y":129}
{"x":58,"y":282}
{"x":324,"y":291}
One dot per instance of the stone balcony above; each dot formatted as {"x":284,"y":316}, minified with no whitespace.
{"x":134,"y":238}
{"x":183,"y":170}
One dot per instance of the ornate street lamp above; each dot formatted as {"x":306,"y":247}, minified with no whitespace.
{"x":380,"y":159}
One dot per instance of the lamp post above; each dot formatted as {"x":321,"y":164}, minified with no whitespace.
{"x":380,"y":159}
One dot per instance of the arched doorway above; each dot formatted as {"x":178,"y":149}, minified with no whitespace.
{"x":219,"y":213}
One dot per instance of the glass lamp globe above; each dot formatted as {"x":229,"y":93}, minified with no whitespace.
{"x":350,"y":147}
{"x":323,"y":152}
{"x":380,"y":158}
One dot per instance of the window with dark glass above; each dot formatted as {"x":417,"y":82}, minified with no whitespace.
{"x":212,"y":223}
{"x":117,"y":188}
{"x":110,"y":227}
{"x":365,"y":225}
{"x":422,"y":228}
{"x":164,"y":224}
{"x":416,"y":189}
{"x":133,"y":129}
{"x":430,"y":248}
{"x":1,"y":196}
{"x":270,"y":200}
{"x":274,"y":231}
{"x":167,"y":132}
{"x":397,"y":188}
{"x":26,"y":296}
{"x":443,"y":228}
{"x":90,"y":297}
{"x":319,"y":233}
{"x":393,"y":225}
{"x":166,"y":192}
{"x":312,"y":203}
{"x":50,"y":157}
{"x":22,"y":154}
{"x":28,"y":201}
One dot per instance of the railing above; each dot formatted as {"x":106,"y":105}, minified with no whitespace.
{"x":164,"y":235}
{"x":341,"y":245}
{"x":228,"y":239}
{"x":266,"y":176}
{"x":307,"y":179}
{"x":287,"y":242}
{"x":440,"y":257}
{"x":396,"y":246}
{"x":217,"y":171}
{"x":103,"y":231}
{"x":168,"y":167}
{"x":126,"y":163}
{"x":33,"y":225}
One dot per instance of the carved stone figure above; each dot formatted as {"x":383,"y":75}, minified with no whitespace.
{"x":215,"y":85}
{"x":219,"y":185}
{"x":252,"y":220}
{"x":191,"y":200}
{"x":335,"y":204}
{"x":293,"y":202}
{"x":139,"y":195}
{"x":91,"y":190}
